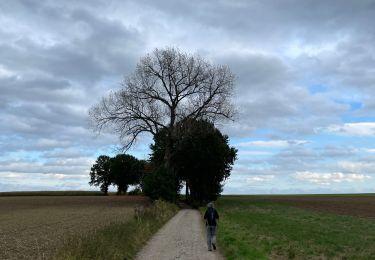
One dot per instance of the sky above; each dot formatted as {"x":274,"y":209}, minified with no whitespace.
{"x":305,"y":82}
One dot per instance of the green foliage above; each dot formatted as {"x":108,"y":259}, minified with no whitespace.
{"x":100,"y":173}
{"x":122,"y":170}
{"x":161,"y":184}
{"x":120,"y":240}
{"x":158,"y":148}
{"x":255,"y":229}
{"x":126,"y":170}
{"x":200,"y":156}
{"x":203,"y":158}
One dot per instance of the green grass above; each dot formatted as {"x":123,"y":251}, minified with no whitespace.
{"x":254,"y":229}
{"x":119,"y":241}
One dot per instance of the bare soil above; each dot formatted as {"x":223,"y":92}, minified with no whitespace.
{"x":359,"y":206}
{"x":34,"y":227}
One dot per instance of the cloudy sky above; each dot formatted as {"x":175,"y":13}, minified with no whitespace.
{"x":305,"y":86}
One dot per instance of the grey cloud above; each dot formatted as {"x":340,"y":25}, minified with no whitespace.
{"x":323,"y":159}
{"x":347,"y":72}
{"x":274,"y":26}
{"x":58,"y":61}
{"x":289,"y":111}
{"x":269,"y":94}
{"x":84,"y":47}
{"x":69,"y":152}
{"x":70,"y":166}
{"x":296,"y":159}
{"x":38,"y":90}
{"x":338,"y":151}
{"x":60,"y":58}
{"x":63,"y":56}
{"x":256,"y":72}
{"x":50,"y":114}
{"x":5,"y":186}
{"x":269,"y":23}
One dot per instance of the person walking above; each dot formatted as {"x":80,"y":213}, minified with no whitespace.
{"x":211,"y":216}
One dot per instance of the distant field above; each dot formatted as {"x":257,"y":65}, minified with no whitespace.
{"x":297,"y":227}
{"x":354,"y":205}
{"x":33,"y":227}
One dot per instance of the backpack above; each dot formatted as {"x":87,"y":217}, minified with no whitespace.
{"x":211,"y":216}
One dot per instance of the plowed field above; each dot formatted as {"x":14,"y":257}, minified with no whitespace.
{"x":360,"y":206}
{"x":34,"y":227}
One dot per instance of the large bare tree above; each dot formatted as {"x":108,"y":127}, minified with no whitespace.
{"x":167,"y":86}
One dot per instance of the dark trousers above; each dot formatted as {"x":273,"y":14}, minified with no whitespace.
{"x":211,"y":236}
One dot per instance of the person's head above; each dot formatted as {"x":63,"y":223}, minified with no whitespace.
{"x":210,"y":205}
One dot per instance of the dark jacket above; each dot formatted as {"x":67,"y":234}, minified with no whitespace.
{"x":210,"y":216}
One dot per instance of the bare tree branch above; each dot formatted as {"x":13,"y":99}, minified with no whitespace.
{"x":167,"y":86}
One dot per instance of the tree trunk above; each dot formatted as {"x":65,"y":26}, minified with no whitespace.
{"x":168,"y":150}
{"x":187,"y":191}
{"x":167,"y":156}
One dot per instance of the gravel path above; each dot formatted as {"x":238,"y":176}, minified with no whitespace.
{"x":183,"y":237}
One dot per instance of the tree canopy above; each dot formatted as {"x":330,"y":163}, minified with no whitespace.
{"x":100,"y":173}
{"x":122,"y":170}
{"x":201,"y":156}
{"x":126,"y":170}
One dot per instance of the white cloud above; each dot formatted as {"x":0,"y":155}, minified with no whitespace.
{"x":56,"y":167}
{"x":298,"y":49}
{"x":11,"y":175}
{"x":5,"y":73}
{"x":253,"y":153}
{"x":353,"y":129}
{"x":271,"y":143}
{"x":60,"y":176}
{"x":259,"y":179}
{"x":45,"y":142}
{"x":329,"y":178}
{"x":358,"y":166}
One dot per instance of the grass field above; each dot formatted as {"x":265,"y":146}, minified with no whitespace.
{"x":288,"y":227}
{"x":34,"y":227}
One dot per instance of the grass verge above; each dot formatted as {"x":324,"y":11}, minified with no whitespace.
{"x":119,"y":241}
{"x":253,"y":229}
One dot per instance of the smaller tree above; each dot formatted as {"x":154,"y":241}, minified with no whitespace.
{"x":100,"y":173}
{"x":126,"y":170}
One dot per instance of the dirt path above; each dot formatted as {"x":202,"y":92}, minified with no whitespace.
{"x":183,"y":237}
